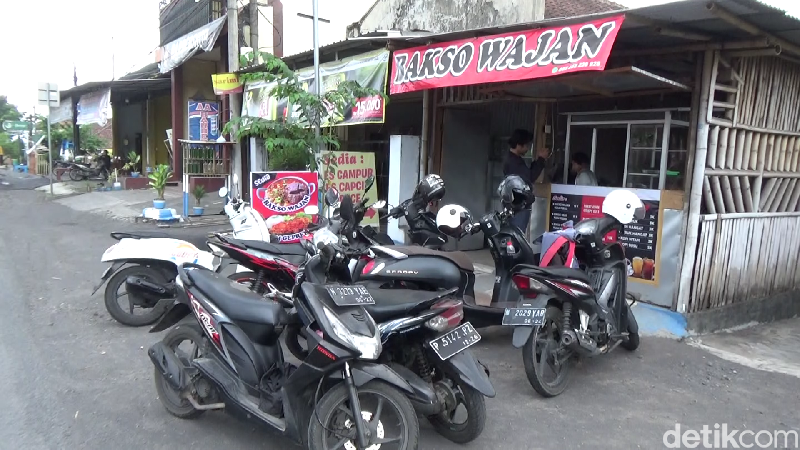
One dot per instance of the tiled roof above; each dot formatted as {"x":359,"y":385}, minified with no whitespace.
{"x":554,"y":9}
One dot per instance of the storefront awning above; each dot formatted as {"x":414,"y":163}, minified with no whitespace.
{"x":608,"y":83}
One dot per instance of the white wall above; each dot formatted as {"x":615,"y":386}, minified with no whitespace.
{"x":298,"y":31}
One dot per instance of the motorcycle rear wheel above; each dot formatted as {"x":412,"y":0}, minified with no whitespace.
{"x":544,"y":338}
{"x":76,"y":174}
{"x":169,"y":397}
{"x":631,"y":342}
{"x":475,"y":406}
{"x":126,"y":317}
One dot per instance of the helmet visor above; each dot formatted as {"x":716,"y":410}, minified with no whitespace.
{"x":639,"y":213}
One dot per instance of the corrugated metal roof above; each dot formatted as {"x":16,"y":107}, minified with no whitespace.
{"x":572,"y":8}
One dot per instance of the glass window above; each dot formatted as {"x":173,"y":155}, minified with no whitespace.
{"x":644,"y":157}
{"x":676,"y":157}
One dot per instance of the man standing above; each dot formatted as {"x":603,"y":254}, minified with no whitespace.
{"x":519,"y":144}
{"x":580,"y":167}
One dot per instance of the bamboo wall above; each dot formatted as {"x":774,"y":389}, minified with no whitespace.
{"x":749,"y":240}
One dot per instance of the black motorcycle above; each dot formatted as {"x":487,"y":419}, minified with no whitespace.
{"x":338,"y":396}
{"x":423,"y":336}
{"x":565,"y":313}
{"x":79,"y":172}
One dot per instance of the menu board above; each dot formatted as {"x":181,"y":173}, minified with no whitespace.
{"x":282,"y":199}
{"x":640,"y":238}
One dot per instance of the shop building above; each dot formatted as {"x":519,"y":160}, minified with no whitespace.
{"x":689,"y":104}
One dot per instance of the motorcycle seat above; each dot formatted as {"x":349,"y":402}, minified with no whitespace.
{"x":458,"y":258}
{"x":394,"y":303}
{"x":275,"y":249}
{"x":260,"y":319}
{"x":119,"y":235}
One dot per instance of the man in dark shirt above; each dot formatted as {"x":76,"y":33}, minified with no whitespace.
{"x":519,"y":144}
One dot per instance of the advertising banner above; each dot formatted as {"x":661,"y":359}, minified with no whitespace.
{"x":63,"y":113}
{"x":226,"y":83}
{"x":640,"y":238}
{"x":352,"y":169}
{"x":95,"y":108}
{"x":177,"y":52}
{"x":368,"y":70}
{"x":522,"y":55}
{"x":203,"y":120}
{"x":282,"y":198}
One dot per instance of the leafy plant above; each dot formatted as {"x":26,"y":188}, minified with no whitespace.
{"x":199,"y":192}
{"x":158,"y":179}
{"x":133,"y":161}
{"x":292,"y":142}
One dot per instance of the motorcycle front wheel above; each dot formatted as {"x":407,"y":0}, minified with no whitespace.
{"x":387,"y":413}
{"x":543,"y":352}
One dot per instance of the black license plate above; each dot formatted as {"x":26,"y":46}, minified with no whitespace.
{"x":455,"y":341}
{"x":350,"y":295}
{"x":524,"y":316}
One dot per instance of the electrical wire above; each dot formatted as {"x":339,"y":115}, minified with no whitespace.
{"x":188,"y":12}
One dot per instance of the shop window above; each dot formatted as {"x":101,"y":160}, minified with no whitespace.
{"x":644,"y":156}
{"x":628,"y":150}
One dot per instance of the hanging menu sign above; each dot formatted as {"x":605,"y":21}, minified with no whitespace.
{"x":640,"y":238}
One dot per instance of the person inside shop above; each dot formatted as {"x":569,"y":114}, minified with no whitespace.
{"x":580,"y":167}
{"x":519,"y":145}
{"x":105,"y":161}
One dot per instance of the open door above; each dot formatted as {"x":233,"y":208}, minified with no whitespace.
{"x":466,"y":144}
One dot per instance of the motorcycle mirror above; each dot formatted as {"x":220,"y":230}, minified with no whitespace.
{"x":332,"y":196}
{"x":368,"y":183}
{"x":346,"y":210}
{"x":311,"y":210}
{"x":379,"y":204}
{"x":223,"y":192}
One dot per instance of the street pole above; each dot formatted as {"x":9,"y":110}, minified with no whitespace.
{"x":254,"y":28}
{"x":317,"y":92}
{"x":49,"y":144}
{"x":233,"y":67}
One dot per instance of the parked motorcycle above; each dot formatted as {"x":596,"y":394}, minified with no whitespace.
{"x":79,"y":172}
{"x":338,"y":397}
{"x":565,"y":313}
{"x":423,"y":334}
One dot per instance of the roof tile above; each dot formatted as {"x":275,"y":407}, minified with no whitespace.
{"x":554,"y":9}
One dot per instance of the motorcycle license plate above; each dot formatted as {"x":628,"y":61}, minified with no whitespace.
{"x":455,"y":341}
{"x":355,"y":295}
{"x":524,"y":317}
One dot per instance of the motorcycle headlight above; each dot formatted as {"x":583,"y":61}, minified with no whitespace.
{"x":369,"y":346}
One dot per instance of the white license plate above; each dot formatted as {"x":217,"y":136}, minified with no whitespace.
{"x":455,"y":341}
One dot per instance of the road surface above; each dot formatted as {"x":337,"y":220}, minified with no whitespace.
{"x":73,"y":378}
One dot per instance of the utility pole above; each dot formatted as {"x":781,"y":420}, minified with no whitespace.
{"x":113,"y":62}
{"x":254,"y":28}
{"x":317,"y":78}
{"x":233,"y":67}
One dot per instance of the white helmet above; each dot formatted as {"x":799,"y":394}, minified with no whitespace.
{"x":624,"y":206}
{"x":453,"y":220}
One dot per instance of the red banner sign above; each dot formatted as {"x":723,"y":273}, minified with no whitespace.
{"x":282,"y":198}
{"x":516,"y":56}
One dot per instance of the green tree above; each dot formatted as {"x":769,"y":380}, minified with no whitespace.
{"x":292,"y":143}
{"x":61,"y":132}
{"x":8,"y":112}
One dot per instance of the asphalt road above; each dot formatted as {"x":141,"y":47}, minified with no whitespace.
{"x":72,"y":378}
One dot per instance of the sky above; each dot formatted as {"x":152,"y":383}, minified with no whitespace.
{"x":86,"y":33}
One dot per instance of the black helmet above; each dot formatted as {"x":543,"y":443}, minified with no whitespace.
{"x":430,"y":189}
{"x":515,"y":193}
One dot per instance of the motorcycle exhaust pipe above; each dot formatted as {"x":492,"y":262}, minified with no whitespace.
{"x":136,"y":285}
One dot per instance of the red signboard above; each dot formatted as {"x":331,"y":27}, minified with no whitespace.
{"x":282,"y":198}
{"x":525,"y":55}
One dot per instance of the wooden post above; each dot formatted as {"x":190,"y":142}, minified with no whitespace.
{"x":695,"y":195}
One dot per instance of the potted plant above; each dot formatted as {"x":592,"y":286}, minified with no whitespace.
{"x":199,"y":192}
{"x":132,"y":164}
{"x":158,"y":181}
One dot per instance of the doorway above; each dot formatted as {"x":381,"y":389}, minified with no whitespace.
{"x":608,"y":163}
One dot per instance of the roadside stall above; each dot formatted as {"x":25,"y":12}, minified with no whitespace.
{"x":539,"y":80}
